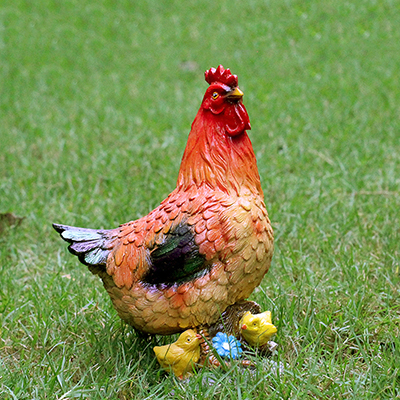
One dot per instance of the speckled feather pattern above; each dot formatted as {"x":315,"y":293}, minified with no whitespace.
{"x":232,"y":232}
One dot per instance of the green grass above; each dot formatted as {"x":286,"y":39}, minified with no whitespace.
{"x":96,"y":101}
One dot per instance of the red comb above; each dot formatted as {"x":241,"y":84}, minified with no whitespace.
{"x":221,"y":75}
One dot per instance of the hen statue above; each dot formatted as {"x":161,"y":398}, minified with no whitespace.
{"x":207,"y":245}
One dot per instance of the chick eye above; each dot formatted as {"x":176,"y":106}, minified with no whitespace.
{"x":215,"y":95}
{"x":189,"y":340}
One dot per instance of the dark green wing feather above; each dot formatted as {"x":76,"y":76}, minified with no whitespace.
{"x":177,"y":259}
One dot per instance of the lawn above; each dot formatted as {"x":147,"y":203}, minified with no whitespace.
{"x":96,"y":102}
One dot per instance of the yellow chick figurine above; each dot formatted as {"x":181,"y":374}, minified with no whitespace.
{"x":180,"y":355}
{"x":257,"y":329}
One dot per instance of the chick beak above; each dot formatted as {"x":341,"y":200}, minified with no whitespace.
{"x":244,"y":326}
{"x":235,"y":95}
{"x":200,"y":338}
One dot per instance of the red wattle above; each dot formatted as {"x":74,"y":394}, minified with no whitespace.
{"x":237,"y":119}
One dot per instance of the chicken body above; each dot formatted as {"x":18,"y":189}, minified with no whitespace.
{"x":229,"y":236}
{"x":257,"y":329}
{"x":181,"y":355}
{"x":207,"y":246}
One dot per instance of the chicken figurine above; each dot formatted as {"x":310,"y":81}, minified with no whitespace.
{"x":180,"y":356}
{"x":257,"y":329}
{"x":207,"y":245}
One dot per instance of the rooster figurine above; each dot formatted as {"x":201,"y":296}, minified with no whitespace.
{"x":207,"y":245}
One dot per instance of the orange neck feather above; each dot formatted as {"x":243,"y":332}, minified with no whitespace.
{"x":219,"y":161}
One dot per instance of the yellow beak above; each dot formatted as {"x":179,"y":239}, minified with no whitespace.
{"x":235,"y":94}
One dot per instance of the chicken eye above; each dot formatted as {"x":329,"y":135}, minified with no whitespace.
{"x":215,"y":95}
{"x":189,"y":340}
